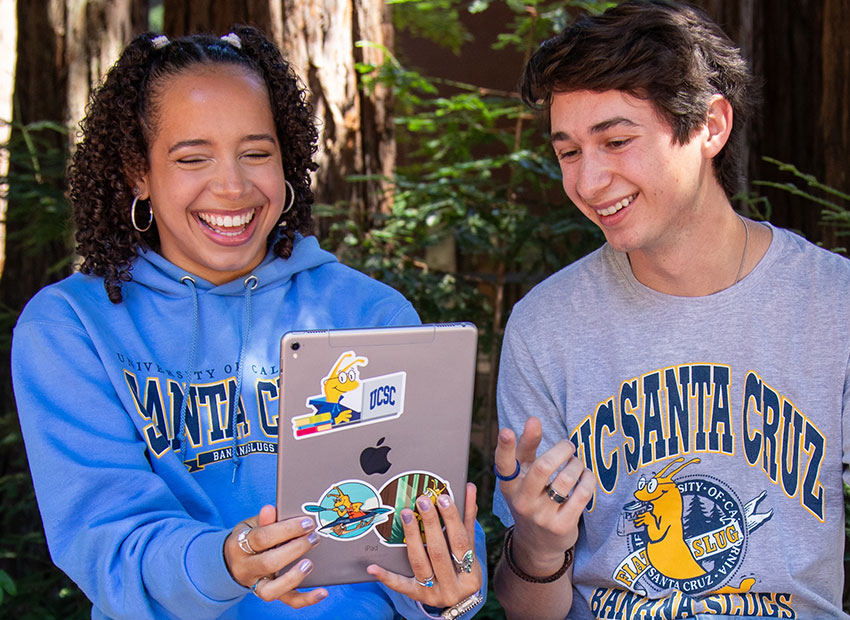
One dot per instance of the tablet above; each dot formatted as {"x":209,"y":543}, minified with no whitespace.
{"x":370,"y":419}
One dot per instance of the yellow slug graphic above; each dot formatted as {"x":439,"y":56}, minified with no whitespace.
{"x":667,"y":550}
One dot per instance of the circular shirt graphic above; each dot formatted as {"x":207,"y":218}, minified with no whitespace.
{"x":713,"y":533}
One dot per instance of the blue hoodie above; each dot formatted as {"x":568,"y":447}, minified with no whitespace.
{"x":135,"y":516}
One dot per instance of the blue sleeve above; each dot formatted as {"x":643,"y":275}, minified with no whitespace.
{"x":405,"y":315}
{"x":413,"y":610}
{"x":112,"y":524}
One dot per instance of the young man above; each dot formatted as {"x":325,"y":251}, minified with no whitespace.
{"x":680,"y":393}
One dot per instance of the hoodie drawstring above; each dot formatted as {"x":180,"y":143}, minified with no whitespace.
{"x":250,"y":283}
{"x":196,"y":328}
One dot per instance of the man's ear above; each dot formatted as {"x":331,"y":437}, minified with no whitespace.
{"x":719,"y":125}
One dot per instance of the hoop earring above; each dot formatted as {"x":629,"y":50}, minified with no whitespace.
{"x":288,"y":206}
{"x":133,"y":216}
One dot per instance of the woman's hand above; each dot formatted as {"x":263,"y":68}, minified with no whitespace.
{"x":451,"y":579}
{"x":546,"y":514}
{"x":266,"y":547}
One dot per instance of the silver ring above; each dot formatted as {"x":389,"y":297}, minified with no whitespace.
{"x":242,"y":539}
{"x":464,"y":565}
{"x":256,"y":583}
{"x":428,"y":583}
{"x":554,"y":495}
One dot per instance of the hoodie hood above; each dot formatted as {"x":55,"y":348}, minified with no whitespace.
{"x":155,"y":272}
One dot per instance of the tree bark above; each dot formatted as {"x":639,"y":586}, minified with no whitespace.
{"x":40,"y":87}
{"x":63,"y":46}
{"x":355,"y":127}
{"x":182,"y":17}
{"x":801,"y":53}
{"x":8,"y":43}
{"x":97,"y":32}
{"x":834,"y":110}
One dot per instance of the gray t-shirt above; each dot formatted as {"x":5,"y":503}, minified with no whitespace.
{"x":722,"y":416}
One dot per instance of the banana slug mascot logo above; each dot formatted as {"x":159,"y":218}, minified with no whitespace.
{"x":347,"y":400}
{"x":687,"y":534}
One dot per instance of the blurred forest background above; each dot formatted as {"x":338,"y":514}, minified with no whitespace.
{"x":433,"y":177}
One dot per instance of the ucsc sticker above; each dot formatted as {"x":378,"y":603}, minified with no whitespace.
{"x":347,"y":399}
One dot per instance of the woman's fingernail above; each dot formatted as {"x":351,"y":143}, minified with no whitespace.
{"x":424,"y":504}
{"x":307,"y":524}
{"x":407,"y":516}
{"x":305,"y":566}
{"x":313,"y":538}
{"x":444,"y":501}
{"x":321,"y":595}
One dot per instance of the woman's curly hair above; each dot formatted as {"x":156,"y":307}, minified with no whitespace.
{"x":121,"y":122}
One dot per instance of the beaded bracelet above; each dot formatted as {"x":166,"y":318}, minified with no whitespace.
{"x":459,"y":609}
{"x":509,"y":558}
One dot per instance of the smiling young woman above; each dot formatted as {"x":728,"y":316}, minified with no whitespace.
{"x":148,"y":414}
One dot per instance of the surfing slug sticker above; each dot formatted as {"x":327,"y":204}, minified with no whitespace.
{"x":347,"y":400}
{"x":348,"y":510}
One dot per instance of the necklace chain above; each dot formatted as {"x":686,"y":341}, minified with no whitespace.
{"x":746,"y":244}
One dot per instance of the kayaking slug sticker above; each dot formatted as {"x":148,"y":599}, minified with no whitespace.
{"x":348,"y":510}
{"x":347,"y":400}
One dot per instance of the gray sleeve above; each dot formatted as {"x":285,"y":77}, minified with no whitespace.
{"x":524,"y":390}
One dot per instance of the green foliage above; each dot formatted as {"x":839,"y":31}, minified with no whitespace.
{"x":39,"y":214}
{"x":478,"y":174}
{"x":434,"y":20}
{"x":31,"y":587}
{"x":834,"y":204}
{"x":475,"y":213}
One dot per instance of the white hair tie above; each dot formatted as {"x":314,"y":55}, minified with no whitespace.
{"x":233,"y":39}
{"x":160,"y":41}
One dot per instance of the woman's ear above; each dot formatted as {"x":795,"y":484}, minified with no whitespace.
{"x":719,"y":124}
{"x":140,"y":185}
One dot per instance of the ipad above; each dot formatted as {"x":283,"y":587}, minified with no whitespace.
{"x":370,"y":419}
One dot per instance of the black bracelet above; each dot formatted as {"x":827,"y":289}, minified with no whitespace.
{"x":509,"y":558}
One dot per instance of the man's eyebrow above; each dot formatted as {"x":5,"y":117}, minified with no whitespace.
{"x":612,"y":122}
{"x":254,"y":137}
{"x":561,"y":136}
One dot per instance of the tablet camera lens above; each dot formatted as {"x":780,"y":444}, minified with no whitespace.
{"x":295,"y":346}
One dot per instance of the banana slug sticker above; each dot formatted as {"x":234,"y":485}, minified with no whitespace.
{"x":348,"y":400}
{"x":348,"y":510}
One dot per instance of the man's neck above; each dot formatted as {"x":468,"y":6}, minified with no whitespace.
{"x":705,"y":260}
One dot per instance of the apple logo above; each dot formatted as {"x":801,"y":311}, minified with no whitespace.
{"x":374,"y":460}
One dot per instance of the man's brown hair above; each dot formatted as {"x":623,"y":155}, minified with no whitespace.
{"x":671,"y":55}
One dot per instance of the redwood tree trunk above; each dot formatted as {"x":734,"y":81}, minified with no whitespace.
{"x":800,"y":49}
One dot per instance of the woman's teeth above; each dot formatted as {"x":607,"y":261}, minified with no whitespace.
{"x":221,"y":222}
{"x":616,"y":207}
